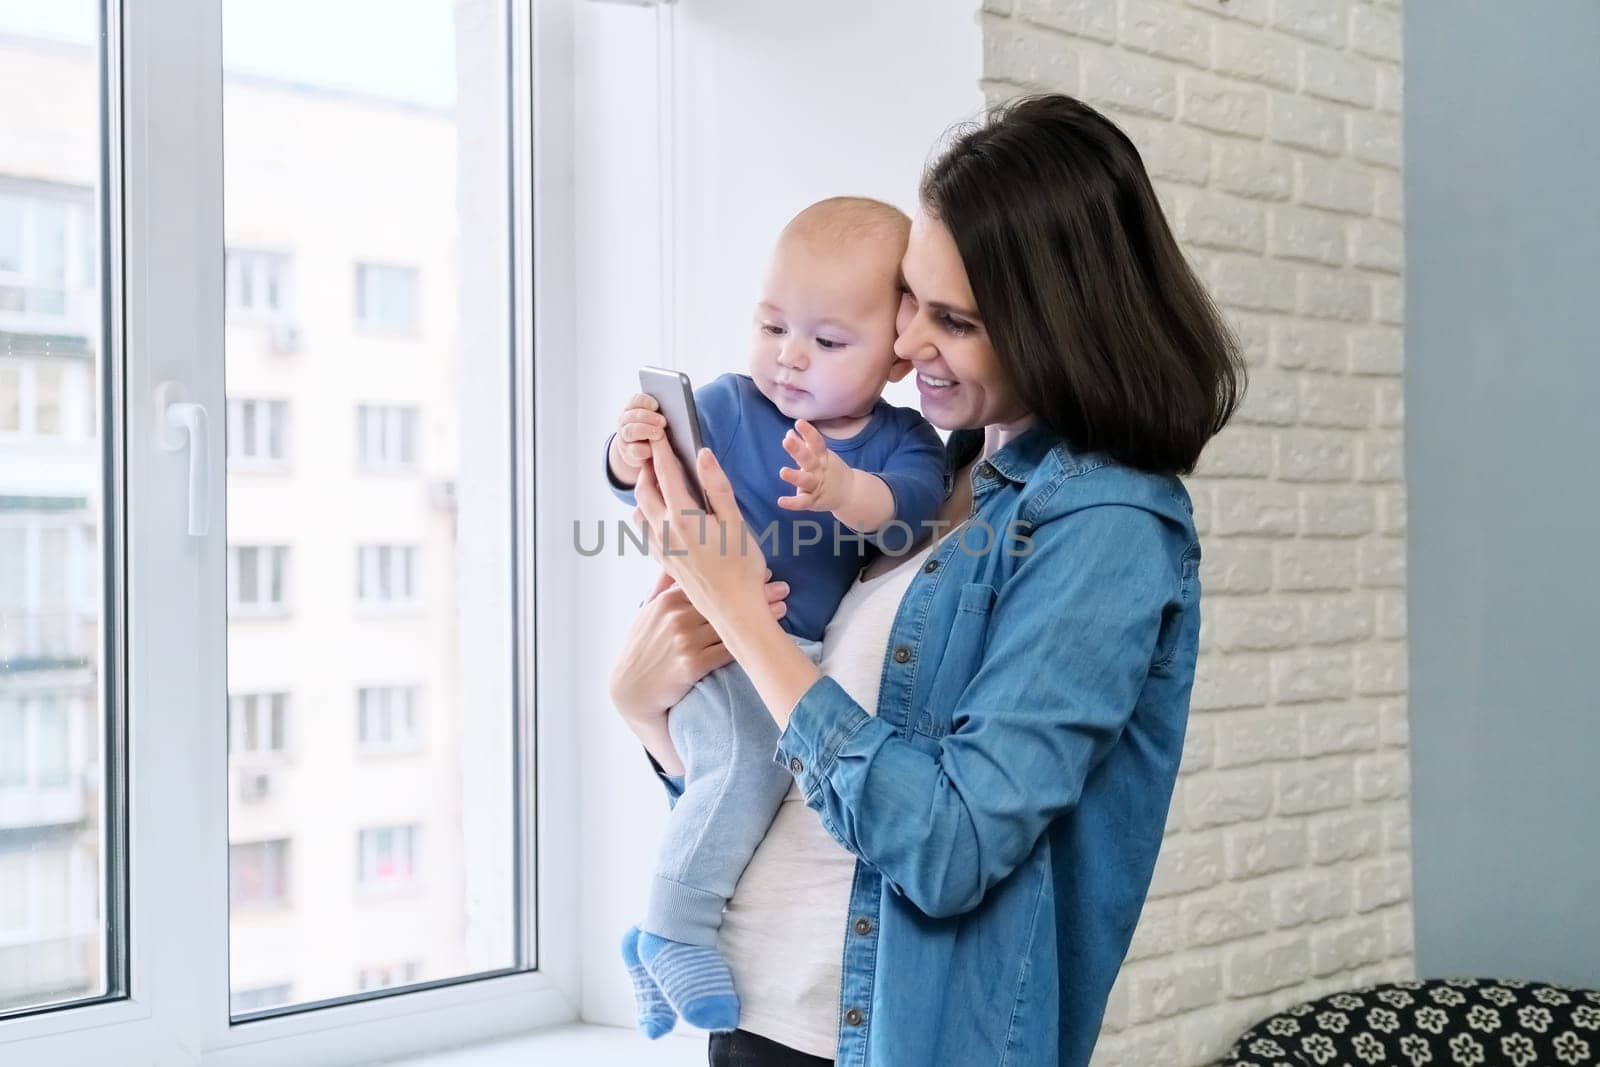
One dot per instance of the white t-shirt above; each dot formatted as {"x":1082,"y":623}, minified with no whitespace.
{"x":783,"y":929}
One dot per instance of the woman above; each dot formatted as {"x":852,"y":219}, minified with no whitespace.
{"x":989,"y":755}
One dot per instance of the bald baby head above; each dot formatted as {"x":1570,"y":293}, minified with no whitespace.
{"x":825,"y":326}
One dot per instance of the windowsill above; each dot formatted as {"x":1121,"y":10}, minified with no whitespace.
{"x":586,"y":1043}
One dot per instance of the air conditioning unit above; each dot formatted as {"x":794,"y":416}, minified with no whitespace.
{"x":286,"y":338}
{"x":254,"y":786}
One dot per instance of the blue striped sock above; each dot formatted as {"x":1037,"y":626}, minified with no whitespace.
{"x":696,"y":981}
{"x":654,"y":1016}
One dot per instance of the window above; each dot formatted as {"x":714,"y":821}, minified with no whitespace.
{"x":388,"y":974}
{"x":36,"y":891}
{"x":386,"y":436}
{"x":257,"y":430}
{"x":47,"y":267}
{"x":260,"y":998}
{"x":386,"y":574}
{"x":386,"y":297}
{"x":256,"y":723}
{"x":139,"y":147}
{"x":256,"y":284}
{"x":46,"y":397}
{"x":10,"y":397}
{"x":257,"y":579}
{"x":48,"y":577}
{"x":258,"y":873}
{"x":387,"y":718}
{"x":386,"y":857}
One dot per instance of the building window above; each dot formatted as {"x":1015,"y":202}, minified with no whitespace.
{"x":386,"y":574}
{"x":46,"y":397}
{"x":47,"y":572}
{"x":386,"y":297}
{"x":258,"y":873}
{"x":36,"y":890}
{"x":38,"y":234}
{"x":257,"y":431}
{"x":257,"y":284}
{"x":386,"y":857}
{"x":35,"y":741}
{"x":387,"y":718}
{"x":257,"y":579}
{"x":387,"y":975}
{"x":257,"y":723}
{"x":10,"y":397}
{"x":260,"y":998}
{"x":386,"y":436}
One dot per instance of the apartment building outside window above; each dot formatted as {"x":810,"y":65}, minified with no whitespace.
{"x":256,"y":284}
{"x":386,"y":296}
{"x":258,"y":724}
{"x":258,"y":873}
{"x":386,"y":575}
{"x":387,"y":718}
{"x":386,"y":857}
{"x":258,"y":579}
{"x":258,"y":432}
{"x":386,"y":436}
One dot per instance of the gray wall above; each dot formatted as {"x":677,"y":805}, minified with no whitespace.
{"x":1502,"y":184}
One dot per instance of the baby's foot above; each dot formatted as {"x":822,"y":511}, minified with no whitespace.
{"x":654,"y":1016}
{"x":696,"y":981}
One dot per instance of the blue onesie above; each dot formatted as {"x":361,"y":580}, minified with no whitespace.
{"x":721,"y":730}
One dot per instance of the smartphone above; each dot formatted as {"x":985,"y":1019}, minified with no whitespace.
{"x":673,"y":392}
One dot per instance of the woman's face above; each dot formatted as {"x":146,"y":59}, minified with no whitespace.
{"x":943,"y":338}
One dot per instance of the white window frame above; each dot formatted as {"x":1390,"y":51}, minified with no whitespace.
{"x":250,"y":444}
{"x":166,"y":298}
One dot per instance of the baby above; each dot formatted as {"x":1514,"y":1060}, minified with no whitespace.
{"x":820,"y":464}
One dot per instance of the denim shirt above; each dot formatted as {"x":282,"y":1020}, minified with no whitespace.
{"x":1007,"y":801}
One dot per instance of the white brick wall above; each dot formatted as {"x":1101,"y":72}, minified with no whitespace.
{"x":1272,"y":130}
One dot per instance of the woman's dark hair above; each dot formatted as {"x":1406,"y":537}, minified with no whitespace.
{"x":1104,"y":331}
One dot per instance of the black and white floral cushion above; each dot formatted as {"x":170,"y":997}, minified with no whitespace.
{"x":1453,"y":1022}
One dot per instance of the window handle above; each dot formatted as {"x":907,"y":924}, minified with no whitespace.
{"x":183,"y":423}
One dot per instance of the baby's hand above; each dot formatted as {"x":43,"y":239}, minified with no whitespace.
{"x":640,"y":423}
{"x":824,"y":481}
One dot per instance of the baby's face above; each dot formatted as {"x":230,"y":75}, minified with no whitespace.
{"x":823,"y":336}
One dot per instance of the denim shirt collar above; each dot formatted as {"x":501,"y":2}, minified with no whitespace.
{"x":1015,"y":461}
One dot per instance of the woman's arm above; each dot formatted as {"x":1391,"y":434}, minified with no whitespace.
{"x":1070,"y":644}
{"x":669,"y":647}
{"x":1069,"y":647}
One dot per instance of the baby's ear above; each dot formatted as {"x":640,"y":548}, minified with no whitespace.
{"x":900,"y":368}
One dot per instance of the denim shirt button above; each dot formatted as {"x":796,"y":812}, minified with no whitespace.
{"x":986,"y":469}
{"x":902,"y":654}
{"x":795,"y":766}
{"x":863,"y":926}
{"x":853,"y":1016}
{"x":930,"y":566}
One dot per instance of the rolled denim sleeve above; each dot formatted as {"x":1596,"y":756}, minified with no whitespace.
{"x":673,"y":783}
{"x":1070,"y":642}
